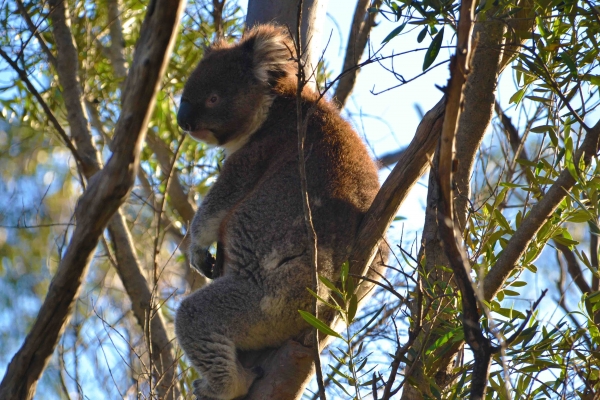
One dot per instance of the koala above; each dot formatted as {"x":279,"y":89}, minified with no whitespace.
{"x":242,"y":97}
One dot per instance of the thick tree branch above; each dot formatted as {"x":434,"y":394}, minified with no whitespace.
{"x":105,"y":193}
{"x":362,"y":23}
{"x":128,"y":266}
{"x":67,"y":66}
{"x":476,"y":115}
{"x":450,"y":236}
{"x":412,"y":165}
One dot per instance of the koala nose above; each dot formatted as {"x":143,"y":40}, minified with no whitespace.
{"x":185,"y":115}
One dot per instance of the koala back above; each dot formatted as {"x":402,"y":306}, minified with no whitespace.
{"x":243,"y":97}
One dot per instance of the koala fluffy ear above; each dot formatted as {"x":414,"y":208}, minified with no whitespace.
{"x":272,"y":53}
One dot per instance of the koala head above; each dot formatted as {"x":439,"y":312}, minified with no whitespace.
{"x":228,"y":96}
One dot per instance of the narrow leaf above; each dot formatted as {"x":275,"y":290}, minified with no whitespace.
{"x":422,"y":35}
{"x":433,"y":50}
{"x":394,"y":33}
{"x":320,"y":325}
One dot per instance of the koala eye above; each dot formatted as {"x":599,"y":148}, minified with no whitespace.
{"x":212,"y":100}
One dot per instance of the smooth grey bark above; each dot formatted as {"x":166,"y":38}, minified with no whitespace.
{"x":479,"y":96}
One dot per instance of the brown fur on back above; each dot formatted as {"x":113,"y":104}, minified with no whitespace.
{"x":243,"y":98}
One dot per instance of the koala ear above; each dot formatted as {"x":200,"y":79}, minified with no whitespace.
{"x":272,"y":53}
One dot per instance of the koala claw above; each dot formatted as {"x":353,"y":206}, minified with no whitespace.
{"x":203,"y":261}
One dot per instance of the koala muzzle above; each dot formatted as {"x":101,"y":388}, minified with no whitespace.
{"x":185,"y":116}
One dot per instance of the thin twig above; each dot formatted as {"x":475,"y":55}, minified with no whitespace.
{"x":61,"y":132}
{"x":312,"y":235}
{"x":517,"y":333}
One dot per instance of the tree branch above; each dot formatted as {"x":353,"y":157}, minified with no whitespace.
{"x":117,"y":58}
{"x":538,"y":215}
{"x":301,"y":127}
{"x":67,"y":66}
{"x":459,"y":68}
{"x":517,"y":146}
{"x":362,"y":23}
{"x":35,"y":32}
{"x":103,"y":196}
{"x":412,"y":164}
{"x":177,"y":195}
{"x":479,"y":93}
{"x":217,"y":14}
{"x":51,"y":117}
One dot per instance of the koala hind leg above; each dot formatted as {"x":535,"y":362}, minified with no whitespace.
{"x":211,"y":324}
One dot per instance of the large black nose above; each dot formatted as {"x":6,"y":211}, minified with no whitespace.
{"x":185,"y":116}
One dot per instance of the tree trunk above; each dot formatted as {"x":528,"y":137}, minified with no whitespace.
{"x":491,"y":56}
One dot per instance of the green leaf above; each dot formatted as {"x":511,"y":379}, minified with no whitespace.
{"x":531,"y":267}
{"x":322,"y":300}
{"x":320,"y":325}
{"x":502,"y":220}
{"x":433,"y":50}
{"x":350,"y":288}
{"x":329,"y":284}
{"x":339,"y":384}
{"x":541,"y":128}
{"x":516,"y":98}
{"x":344,"y":273}
{"x":440,"y":342}
{"x":594,"y":297}
{"x":352,"y":307}
{"x":570,"y":64}
{"x":518,"y":284}
{"x":594,"y":79}
{"x":539,"y":99}
{"x":513,"y":185}
{"x":580,"y":216}
{"x":394,"y":33}
{"x":422,"y":35}
{"x":565,"y":241}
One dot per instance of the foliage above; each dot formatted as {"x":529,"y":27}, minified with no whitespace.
{"x":40,"y":186}
{"x":554,"y":104}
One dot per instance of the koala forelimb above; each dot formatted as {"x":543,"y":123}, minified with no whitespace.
{"x":242,"y":97}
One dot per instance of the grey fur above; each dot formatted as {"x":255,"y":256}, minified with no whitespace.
{"x":255,"y":211}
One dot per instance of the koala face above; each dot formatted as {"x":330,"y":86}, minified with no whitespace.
{"x":228,"y":95}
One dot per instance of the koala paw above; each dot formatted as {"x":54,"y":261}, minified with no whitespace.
{"x":202,"y":260}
